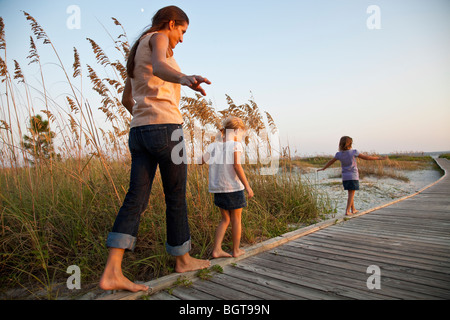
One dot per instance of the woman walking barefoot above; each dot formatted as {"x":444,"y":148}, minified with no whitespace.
{"x":152,"y":95}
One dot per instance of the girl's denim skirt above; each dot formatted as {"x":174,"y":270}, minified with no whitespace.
{"x":230,"y":200}
{"x":351,"y":184}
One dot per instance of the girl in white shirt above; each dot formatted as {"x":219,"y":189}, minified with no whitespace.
{"x":227,"y":181}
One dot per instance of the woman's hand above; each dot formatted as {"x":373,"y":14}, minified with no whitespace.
{"x":194,"y":83}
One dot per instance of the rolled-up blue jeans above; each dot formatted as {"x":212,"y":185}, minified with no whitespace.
{"x":151,"y":146}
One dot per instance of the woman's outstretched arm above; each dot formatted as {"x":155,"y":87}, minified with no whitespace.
{"x":159,"y":44}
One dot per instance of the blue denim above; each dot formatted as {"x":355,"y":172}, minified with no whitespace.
{"x":351,"y":184}
{"x":230,"y":200}
{"x":151,"y":146}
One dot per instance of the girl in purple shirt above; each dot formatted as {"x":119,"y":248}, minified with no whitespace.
{"x":350,"y":176}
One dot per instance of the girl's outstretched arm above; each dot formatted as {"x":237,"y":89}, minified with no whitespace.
{"x":328,"y":164}
{"x":366,"y":157}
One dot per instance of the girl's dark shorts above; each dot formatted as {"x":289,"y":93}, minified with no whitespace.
{"x":230,"y":200}
{"x":351,"y":184}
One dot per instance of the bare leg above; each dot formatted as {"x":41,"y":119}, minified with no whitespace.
{"x":353,"y":206}
{"x":113,"y":278}
{"x":236,"y":229}
{"x":220,"y":233}
{"x":187,"y":263}
{"x":350,"y":203}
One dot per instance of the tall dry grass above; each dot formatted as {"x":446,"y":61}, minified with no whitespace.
{"x":58,"y":212}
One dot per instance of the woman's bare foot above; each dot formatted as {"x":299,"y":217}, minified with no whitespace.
{"x":238,"y":252}
{"x":219,"y":253}
{"x":187,"y":263}
{"x":355,"y":211}
{"x":111,"y":280}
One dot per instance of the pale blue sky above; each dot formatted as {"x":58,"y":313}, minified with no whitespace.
{"x":313,"y":65}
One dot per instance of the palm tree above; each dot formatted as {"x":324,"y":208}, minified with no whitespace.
{"x":40,"y":144}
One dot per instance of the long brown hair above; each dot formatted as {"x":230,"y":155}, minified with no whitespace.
{"x":160,"y":21}
{"x":345,"y":143}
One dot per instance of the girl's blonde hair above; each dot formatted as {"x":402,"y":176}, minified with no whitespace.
{"x":345,"y":143}
{"x":230,"y":123}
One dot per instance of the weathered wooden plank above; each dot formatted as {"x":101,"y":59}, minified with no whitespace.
{"x":357,"y":279}
{"x":376,"y":256}
{"x":399,"y":211}
{"x":373,"y":249}
{"x":398,"y":248}
{"x":414,"y":281}
{"x":390,"y":270}
{"x":408,"y":222}
{"x":190,"y":293}
{"x":372,"y":246}
{"x":424,"y":206}
{"x":257,"y":289}
{"x":297,"y":285}
{"x":388,"y":235}
{"x":310,"y":289}
{"x":344,"y":282}
{"x":223,"y":292}
{"x":350,"y":285}
{"x":394,"y":235}
{"x":272,"y":285}
{"x":418,"y":228}
{"x":163,"y":295}
{"x":406,"y":219}
{"x":434,"y":216}
{"x":414,"y":233}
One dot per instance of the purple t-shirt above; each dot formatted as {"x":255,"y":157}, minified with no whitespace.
{"x":348,"y":164}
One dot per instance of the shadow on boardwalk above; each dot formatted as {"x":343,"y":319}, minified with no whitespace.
{"x":408,"y":241}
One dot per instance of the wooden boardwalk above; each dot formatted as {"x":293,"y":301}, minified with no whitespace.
{"x":408,"y":241}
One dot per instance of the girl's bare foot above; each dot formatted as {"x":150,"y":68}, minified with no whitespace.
{"x":187,"y":263}
{"x":348,"y":213}
{"x":355,"y":211}
{"x":111,"y":280}
{"x":238,"y":252}
{"x":219,"y":253}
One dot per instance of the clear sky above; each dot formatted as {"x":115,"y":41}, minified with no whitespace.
{"x":315,"y":66}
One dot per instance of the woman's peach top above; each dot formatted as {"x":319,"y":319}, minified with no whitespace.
{"x":157,"y":101}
